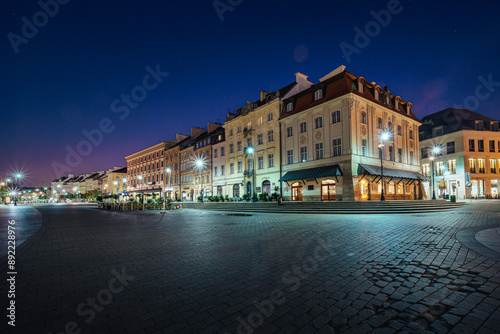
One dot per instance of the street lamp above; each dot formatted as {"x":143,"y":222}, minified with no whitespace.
{"x":169,"y":171}
{"x":200,"y":164}
{"x":250,"y":151}
{"x":384,"y":136}
{"x":436,"y":150}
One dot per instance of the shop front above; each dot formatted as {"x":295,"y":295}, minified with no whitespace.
{"x":313,"y":184}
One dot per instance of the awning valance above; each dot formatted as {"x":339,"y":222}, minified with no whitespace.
{"x":312,"y":173}
{"x":389,"y":172}
{"x":155,"y":190}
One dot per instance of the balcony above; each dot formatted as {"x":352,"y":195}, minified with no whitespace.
{"x":472,"y":170}
{"x":481,"y":170}
{"x":248,"y":172}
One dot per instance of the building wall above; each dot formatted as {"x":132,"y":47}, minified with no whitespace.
{"x":219,"y":161}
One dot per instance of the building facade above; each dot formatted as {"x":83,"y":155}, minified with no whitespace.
{"x":331,"y":142}
{"x":457,"y":141}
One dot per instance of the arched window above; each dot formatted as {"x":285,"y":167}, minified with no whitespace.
{"x":236,"y":190}
{"x":379,"y":123}
{"x":266,"y":186}
{"x":318,"y":122}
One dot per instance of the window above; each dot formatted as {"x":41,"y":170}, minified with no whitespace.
{"x":480,"y":165}
{"x":231,"y":168}
{"x":492,"y":146}
{"x":215,"y":171}
{"x":399,"y":130}
{"x":412,"y":155}
{"x":221,"y":170}
{"x":439,"y":168}
{"x":411,"y":134}
{"x":289,"y":107}
{"x":231,"y":148}
{"x":363,"y":117}
{"x":270,"y":160}
{"x":400,"y":155}
{"x":450,"y":147}
{"x":222,"y":153}
{"x":379,"y":123}
{"x":391,"y":153}
{"x":364,"y":147}
{"x":438,"y":131}
{"x":238,"y":130}
{"x":240,"y":166}
{"x":208,"y":178}
{"x":289,"y":131}
{"x":337,"y":147}
{"x":472,"y":165}
{"x":230,"y":132}
{"x":270,"y":135}
{"x":269,"y":117}
{"x":480,"y":145}
{"x":318,"y":122}
{"x":260,"y":139}
{"x":425,"y":170}
{"x":249,"y":141}
{"x":239,"y":145}
{"x":215,"y":153}
{"x":452,"y":166}
{"x":479,"y":125}
{"x":303,"y":154}
{"x":319,"y":151}
{"x":424,"y":152}
{"x":318,"y":94}
{"x":390,"y":127}
{"x":471,"y":145}
{"x":335,"y":116}
{"x":249,"y":126}
{"x":260,"y":161}
{"x":289,"y":157}
{"x":303,"y":127}
{"x":259,"y":120}
{"x":493,"y":168}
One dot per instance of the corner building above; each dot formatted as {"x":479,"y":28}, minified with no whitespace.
{"x":331,"y":137}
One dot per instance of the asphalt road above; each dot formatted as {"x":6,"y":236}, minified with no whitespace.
{"x":86,"y":270}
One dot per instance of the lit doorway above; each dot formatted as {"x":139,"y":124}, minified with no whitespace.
{"x":328,"y":190}
{"x":296,"y":192}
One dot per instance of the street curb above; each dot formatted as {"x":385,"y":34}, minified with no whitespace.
{"x":468,"y":239}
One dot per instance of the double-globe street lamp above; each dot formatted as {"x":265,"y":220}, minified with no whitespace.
{"x":384,"y":136}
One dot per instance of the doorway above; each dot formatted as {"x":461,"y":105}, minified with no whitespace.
{"x":296,"y":192}
{"x":328,"y":190}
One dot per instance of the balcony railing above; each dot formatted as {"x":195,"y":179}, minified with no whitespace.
{"x":481,"y":170}
{"x":472,"y":170}
{"x":248,"y":172}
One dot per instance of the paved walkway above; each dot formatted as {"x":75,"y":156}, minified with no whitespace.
{"x":490,"y":238}
{"x":195,"y":271}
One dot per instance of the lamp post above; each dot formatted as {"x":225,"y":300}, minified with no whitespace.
{"x":199,"y":164}
{"x":169,"y":171}
{"x":18,"y":177}
{"x":250,"y":151}
{"x":384,"y":136}
{"x":436,"y":150}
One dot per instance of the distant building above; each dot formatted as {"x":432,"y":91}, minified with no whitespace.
{"x":468,"y":142}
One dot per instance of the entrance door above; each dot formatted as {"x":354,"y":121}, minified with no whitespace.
{"x":249,"y":189}
{"x":328,"y":190}
{"x":296,"y":192}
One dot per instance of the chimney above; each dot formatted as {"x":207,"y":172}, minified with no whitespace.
{"x":179,"y":137}
{"x":195,"y":131}
{"x":262,"y":95}
{"x":212,"y":126}
{"x":333,"y":73}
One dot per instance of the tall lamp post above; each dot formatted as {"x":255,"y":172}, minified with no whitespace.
{"x":18,"y":177}
{"x":436,"y":150}
{"x":169,"y":171}
{"x":250,"y":151}
{"x":384,"y":136}
{"x":199,"y":164}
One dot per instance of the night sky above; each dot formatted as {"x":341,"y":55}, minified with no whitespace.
{"x":65,"y":76}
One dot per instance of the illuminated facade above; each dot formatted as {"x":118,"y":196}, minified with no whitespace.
{"x":466,"y":142}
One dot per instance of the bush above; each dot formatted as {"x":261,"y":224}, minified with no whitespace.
{"x":245,"y":197}
{"x":275,"y":195}
{"x":254,"y":198}
{"x":150,"y":201}
{"x":226,"y":197}
{"x":99,"y":198}
{"x":264,"y":196}
{"x":210,"y":198}
{"x":199,"y":198}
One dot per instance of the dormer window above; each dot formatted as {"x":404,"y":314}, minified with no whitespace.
{"x":438,"y":131}
{"x":318,"y":95}
{"x":494,"y":126}
{"x":269,"y":117}
{"x":479,"y":125}
{"x":289,"y":107}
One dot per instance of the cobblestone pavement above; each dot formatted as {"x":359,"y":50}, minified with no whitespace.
{"x":92,"y":271}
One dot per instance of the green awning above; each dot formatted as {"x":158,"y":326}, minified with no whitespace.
{"x":312,"y":173}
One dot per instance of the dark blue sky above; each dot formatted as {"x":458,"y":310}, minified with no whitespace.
{"x":65,"y":78}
